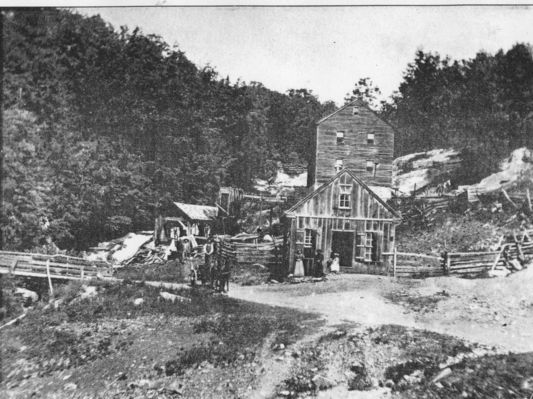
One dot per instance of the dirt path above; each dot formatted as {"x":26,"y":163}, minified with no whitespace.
{"x":366,"y":304}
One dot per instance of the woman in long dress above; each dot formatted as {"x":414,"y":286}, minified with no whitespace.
{"x":335,"y":265}
{"x":299,"y":265}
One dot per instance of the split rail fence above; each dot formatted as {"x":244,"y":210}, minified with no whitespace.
{"x":461,"y":263}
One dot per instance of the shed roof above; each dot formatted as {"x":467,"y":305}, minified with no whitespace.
{"x":198,"y":212}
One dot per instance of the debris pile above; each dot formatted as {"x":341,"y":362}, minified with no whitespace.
{"x":139,"y":248}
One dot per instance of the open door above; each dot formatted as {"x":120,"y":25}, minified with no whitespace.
{"x":342,"y":243}
{"x":309,"y":251}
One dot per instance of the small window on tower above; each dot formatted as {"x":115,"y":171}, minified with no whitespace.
{"x":340,"y":137}
{"x":370,"y":166}
{"x":355,"y":111}
{"x":338,"y":165}
{"x":370,"y":138}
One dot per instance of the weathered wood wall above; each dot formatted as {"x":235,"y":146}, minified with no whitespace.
{"x":325,"y":202}
{"x":322,"y":213}
{"x":355,"y":152}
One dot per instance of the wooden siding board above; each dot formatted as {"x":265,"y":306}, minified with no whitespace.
{"x":355,"y":151}
{"x":326,"y":202}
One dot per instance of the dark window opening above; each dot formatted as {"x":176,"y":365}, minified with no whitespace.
{"x":344,"y":201}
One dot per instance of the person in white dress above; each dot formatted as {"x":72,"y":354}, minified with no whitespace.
{"x":335,"y":265}
{"x":299,"y":265}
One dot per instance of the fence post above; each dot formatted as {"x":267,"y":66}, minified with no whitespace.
{"x":13,"y":266}
{"x":448,"y":263}
{"x":394,"y":257}
{"x":498,"y":257}
{"x":49,"y":278}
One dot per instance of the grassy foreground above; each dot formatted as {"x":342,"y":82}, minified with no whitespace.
{"x":204,"y":345}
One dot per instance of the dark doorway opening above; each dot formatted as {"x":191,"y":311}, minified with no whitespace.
{"x":224,"y":201}
{"x":342,"y":243}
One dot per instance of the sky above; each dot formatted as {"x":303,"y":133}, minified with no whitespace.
{"x":325,"y":49}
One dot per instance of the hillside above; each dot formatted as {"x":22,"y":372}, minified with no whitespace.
{"x":102,"y":126}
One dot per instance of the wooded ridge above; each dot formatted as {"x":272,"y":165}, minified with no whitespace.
{"x":102,"y":126}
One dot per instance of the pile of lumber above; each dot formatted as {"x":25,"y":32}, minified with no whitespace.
{"x":147,"y":256}
{"x":57,"y":266}
{"x":425,"y":209}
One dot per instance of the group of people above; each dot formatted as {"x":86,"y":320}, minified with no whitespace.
{"x":215,"y":270}
{"x":318,"y":269}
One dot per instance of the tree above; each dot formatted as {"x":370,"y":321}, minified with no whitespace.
{"x":365,"y":91}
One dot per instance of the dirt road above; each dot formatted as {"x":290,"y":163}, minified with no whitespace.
{"x":474,"y":310}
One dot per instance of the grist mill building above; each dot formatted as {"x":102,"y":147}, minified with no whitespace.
{"x":344,"y":213}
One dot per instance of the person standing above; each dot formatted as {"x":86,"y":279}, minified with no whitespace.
{"x":335,"y":264}
{"x":299,"y":265}
{"x":319,"y":263}
{"x":208,"y":260}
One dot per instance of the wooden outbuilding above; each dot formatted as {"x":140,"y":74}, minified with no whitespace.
{"x":344,"y":216}
{"x":182,"y":219}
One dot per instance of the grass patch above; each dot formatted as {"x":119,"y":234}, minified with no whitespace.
{"x":239,"y":335}
{"x":172,"y":271}
{"x":419,"y":304}
{"x":246,"y":274}
{"x":212,"y":327}
{"x":308,"y":366}
{"x":490,"y":376}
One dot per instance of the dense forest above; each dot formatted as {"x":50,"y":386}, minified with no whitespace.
{"x":102,"y":125}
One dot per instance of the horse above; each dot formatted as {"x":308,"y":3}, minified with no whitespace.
{"x":222,"y":276}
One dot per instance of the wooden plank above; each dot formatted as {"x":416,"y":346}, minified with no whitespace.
{"x":346,"y":218}
{"x":395,"y":259}
{"x":418,"y":255}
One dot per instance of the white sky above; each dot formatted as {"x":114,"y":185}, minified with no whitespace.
{"x":325,"y":49}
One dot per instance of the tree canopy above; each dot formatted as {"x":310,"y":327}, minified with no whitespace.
{"x":482,"y":106}
{"x":102,"y":126}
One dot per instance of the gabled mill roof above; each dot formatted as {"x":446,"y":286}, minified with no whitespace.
{"x":326,"y":184}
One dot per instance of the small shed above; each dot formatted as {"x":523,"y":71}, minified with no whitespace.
{"x":185,"y":220}
{"x":344,"y":216}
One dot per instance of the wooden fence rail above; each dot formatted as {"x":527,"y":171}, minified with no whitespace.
{"x":461,"y":263}
{"x":51,"y":266}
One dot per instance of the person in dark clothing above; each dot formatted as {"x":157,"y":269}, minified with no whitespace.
{"x":180,"y":250}
{"x":329,"y":262}
{"x":319,"y":263}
